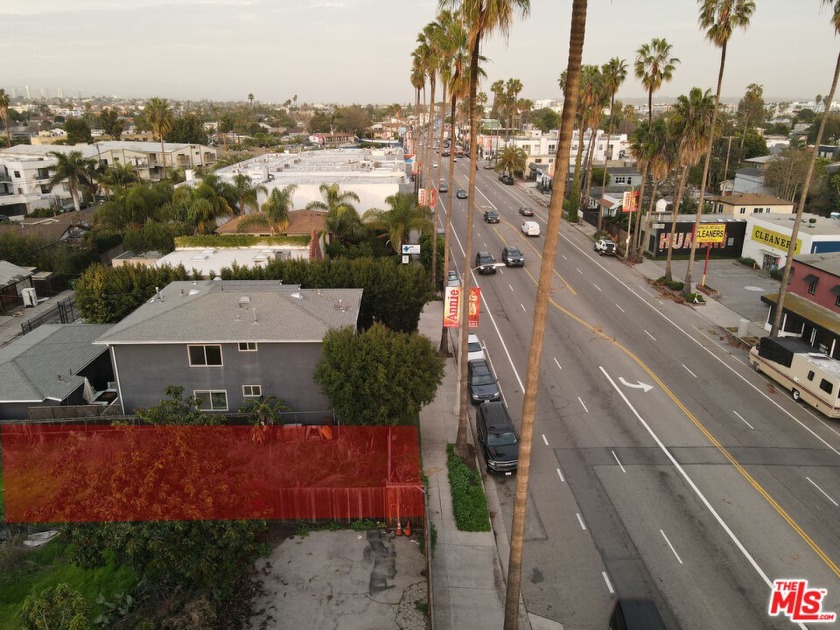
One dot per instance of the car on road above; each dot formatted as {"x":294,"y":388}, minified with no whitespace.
{"x":530,"y":228}
{"x":461,"y":194}
{"x":513,"y":257}
{"x":525,"y":211}
{"x":434,"y":164}
{"x":497,"y":438}
{"x":606,"y":247}
{"x":491,"y":216}
{"x":485,"y":263}
{"x":481,"y":382}
{"x":444,"y":187}
{"x":474,"y":349}
{"x":506,"y":179}
{"x":452,"y":279}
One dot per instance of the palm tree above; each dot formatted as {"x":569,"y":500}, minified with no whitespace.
{"x":247,"y":193}
{"x":719,"y":18}
{"x":251,"y":99}
{"x":800,"y":208}
{"x":511,"y":159}
{"x":73,"y":168}
{"x":588,"y":99}
{"x":159,"y":117}
{"x":512,"y":89}
{"x":398,"y":222}
{"x":481,"y":18}
{"x":659,"y":150}
{"x":277,"y":206}
{"x":202,"y":206}
{"x":600,"y":100}
{"x":654,"y":65}
{"x":119,"y":175}
{"x":342,"y":221}
{"x":691,"y":125}
{"x":4,"y":113}
{"x":418,"y":80}
{"x":529,"y":406}
{"x":614,"y":73}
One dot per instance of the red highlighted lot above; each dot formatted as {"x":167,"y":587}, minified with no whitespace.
{"x":75,"y":473}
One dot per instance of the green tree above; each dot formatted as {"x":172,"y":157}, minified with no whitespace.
{"x":78,"y":131}
{"x":342,"y":222}
{"x":751,"y":112}
{"x":654,"y":65}
{"x":403,"y":216}
{"x":59,"y":607}
{"x":545,"y":119}
{"x":204,"y":205}
{"x":111,"y":123}
{"x":119,"y":176}
{"x":158,"y":115}
{"x":187,"y":129}
{"x":378,"y":377}
{"x":719,"y":18}
{"x":247,"y":193}
{"x":512,"y":89}
{"x":4,"y":113}
{"x":275,"y":211}
{"x":511,"y":159}
{"x":352,"y":119}
{"x":321,"y":122}
{"x":831,"y":133}
{"x":74,"y":169}
{"x":614,"y":73}
{"x":785,"y":175}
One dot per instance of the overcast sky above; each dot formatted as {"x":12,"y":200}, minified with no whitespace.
{"x":359,"y":51}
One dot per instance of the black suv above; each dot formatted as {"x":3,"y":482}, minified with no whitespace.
{"x":481,"y":382}
{"x":506,"y":179}
{"x":512,"y":257}
{"x":491,"y":216}
{"x":485,"y":263}
{"x":498,"y":439}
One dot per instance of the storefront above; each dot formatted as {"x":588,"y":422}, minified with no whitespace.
{"x":768,"y":238}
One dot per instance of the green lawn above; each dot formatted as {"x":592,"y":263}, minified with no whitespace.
{"x":48,"y":566}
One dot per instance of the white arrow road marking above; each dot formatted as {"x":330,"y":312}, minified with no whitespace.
{"x":636,"y":385}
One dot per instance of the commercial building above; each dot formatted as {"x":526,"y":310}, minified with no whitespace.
{"x":768,"y":238}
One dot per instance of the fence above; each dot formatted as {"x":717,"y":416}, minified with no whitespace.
{"x":64,"y":312}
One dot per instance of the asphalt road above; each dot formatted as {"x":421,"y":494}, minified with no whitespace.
{"x":663,"y":466}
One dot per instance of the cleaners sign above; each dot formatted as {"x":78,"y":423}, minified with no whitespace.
{"x":711,"y":233}
{"x":774,"y":239}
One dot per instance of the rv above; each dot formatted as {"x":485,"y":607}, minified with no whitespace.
{"x":811,"y":377}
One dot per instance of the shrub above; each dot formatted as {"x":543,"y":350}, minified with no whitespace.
{"x":469,"y":504}
{"x":747,"y":262}
{"x":695,"y":298}
{"x":674,"y":285}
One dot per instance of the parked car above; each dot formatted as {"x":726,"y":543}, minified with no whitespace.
{"x":606,"y":247}
{"x":525,"y":211}
{"x":491,"y":216}
{"x":444,"y":187}
{"x":474,"y":349}
{"x":485,"y":263}
{"x":497,"y":437}
{"x":461,"y":194}
{"x":481,"y":382}
{"x":530,"y":228}
{"x":513,"y":257}
{"x":452,"y":279}
{"x":506,"y":179}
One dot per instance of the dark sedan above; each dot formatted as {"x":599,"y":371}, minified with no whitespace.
{"x":461,"y":194}
{"x":526,"y":212}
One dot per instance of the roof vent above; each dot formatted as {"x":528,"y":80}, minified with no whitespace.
{"x":244,"y":301}
{"x":297,"y":295}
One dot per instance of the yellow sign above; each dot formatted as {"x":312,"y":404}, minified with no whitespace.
{"x":774,"y":239}
{"x":711,"y":233}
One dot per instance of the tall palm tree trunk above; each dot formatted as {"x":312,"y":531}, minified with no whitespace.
{"x":636,"y":219}
{"x":574,"y":205}
{"x":529,"y":406}
{"x":436,"y":186}
{"x":701,"y":202}
{"x":674,"y":215}
{"x":463,"y":408}
{"x":643,"y":241}
{"x":800,"y":208}
{"x":444,"y":346}
{"x":163,"y":156}
{"x":589,"y":159}
{"x":606,"y":164}
{"x":431,"y":183}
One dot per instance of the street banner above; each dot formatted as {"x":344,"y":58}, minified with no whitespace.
{"x":711,"y":233}
{"x":421,"y":196}
{"x":452,"y":307}
{"x":432,"y":197}
{"x":630,"y":201}
{"x":475,"y":297}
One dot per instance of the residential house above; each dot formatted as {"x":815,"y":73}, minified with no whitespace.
{"x":13,"y":280}
{"x":54,"y":365}
{"x":228,"y":342}
{"x":743,"y":204}
{"x":333,"y":140}
{"x":24,"y":185}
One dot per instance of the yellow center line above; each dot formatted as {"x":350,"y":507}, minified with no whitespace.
{"x":537,"y":252}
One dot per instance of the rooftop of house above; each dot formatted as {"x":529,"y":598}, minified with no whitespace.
{"x":301,"y":223}
{"x":50,"y":229}
{"x":95,"y":149}
{"x":45,"y":363}
{"x":812,"y":224}
{"x":229,"y":311}
{"x":209,"y":261}
{"x":749,"y":171}
{"x":830,"y":263}
{"x":10,"y":274}
{"x":623,"y":170}
{"x":752,"y":199}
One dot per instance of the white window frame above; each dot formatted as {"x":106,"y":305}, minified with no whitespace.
{"x":250,"y":346}
{"x":255,"y":391}
{"x":210,"y":393}
{"x":205,"y":346}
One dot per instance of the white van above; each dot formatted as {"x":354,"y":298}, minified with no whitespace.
{"x":530,"y":228}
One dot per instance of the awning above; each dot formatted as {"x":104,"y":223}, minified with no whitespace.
{"x":836,"y":289}
{"x":807,"y":310}
{"x":810,"y":278}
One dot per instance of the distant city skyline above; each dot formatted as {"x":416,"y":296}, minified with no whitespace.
{"x":358,"y":51}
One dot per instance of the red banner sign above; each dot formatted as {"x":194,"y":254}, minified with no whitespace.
{"x":452,"y":307}
{"x":475,"y":297}
{"x":432,"y":197}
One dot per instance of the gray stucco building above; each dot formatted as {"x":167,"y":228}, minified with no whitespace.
{"x":228,"y":342}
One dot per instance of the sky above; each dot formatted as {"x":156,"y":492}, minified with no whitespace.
{"x":359,"y":51}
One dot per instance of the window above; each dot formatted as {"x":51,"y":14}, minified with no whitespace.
{"x":552,"y":148}
{"x":826,"y":386}
{"x":205,"y":355}
{"x":211,"y":399}
{"x":837,"y":300}
{"x":17,"y":174}
{"x":812,"y":286}
{"x":247,"y":346}
{"x":251,"y":391}
{"x":743,"y":210}
{"x":810,"y":375}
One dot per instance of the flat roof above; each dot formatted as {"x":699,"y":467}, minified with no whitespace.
{"x":210,"y":261}
{"x":812,"y":224}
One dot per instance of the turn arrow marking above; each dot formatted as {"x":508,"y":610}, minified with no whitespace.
{"x":636,"y":385}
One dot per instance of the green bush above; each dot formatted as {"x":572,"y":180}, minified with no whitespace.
{"x":238,"y":240}
{"x":747,"y":262}
{"x":674,"y":285}
{"x":776,"y":274}
{"x":695,"y":298}
{"x":469,"y":504}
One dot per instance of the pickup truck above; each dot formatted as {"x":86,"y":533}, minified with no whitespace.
{"x":606,"y":247}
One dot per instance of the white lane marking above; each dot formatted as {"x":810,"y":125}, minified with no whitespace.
{"x":559,"y":367}
{"x":560,"y":474}
{"x":649,"y":335}
{"x":690,"y":482}
{"x":523,"y":306}
{"x":671,"y":546}
{"x":689,"y":371}
{"x":646,"y":291}
{"x":564,"y":256}
{"x":580,"y":520}
{"x":582,"y":405}
{"x":618,"y":462}
{"x":545,"y":439}
{"x":661,"y":303}
{"x":511,"y":286}
{"x":578,"y":270}
{"x":620,"y":309}
{"x":742,"y":419}
{"x":596,"y":286}
{"x":823,"y":491}
{"x":607,"y":580}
